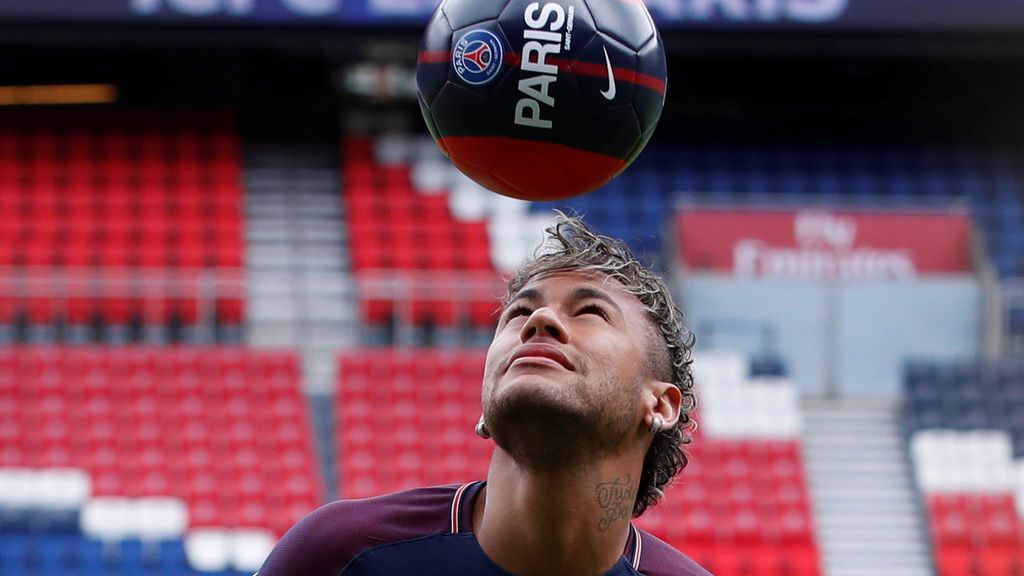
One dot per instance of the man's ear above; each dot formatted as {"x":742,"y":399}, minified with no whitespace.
{"x":664,"y":400}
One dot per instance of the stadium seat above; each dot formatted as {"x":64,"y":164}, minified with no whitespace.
{"x":435,"y":446}
{"x":972,"y":511}
{"x":157,"y":431}
{"x":396,"y":228}
{"x":117,"y":212}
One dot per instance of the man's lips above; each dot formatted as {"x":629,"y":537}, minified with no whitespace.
{"x":541,"y":351}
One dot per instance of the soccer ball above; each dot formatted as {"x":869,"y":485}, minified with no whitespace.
{"x":541,"y":100}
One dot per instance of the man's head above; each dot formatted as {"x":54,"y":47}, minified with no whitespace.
{"x":589,"y":348}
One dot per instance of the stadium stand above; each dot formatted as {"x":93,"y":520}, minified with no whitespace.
{"x":435,"y":396}
{"x":741,"y":507}
{"x":173,"y":448}
{"x":789,"y":173}
{"x":795,"y":173}
{"x":117,"y":217}
{"x":971,"y":414}
{"x":396,"y":229}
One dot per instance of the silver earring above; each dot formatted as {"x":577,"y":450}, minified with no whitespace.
{"x":481,"y":429}
{"x":656,"y":424}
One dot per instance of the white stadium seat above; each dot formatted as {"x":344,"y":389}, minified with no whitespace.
{"x":63,"y":488}
{"x":392,"y":149}
{"x":983,"y":461}
{"x":208,"y":550}
{"x":249,"y":548}
{"x":107,"y":518}
{"x":720,"y":368}
{"x":160,"y":518}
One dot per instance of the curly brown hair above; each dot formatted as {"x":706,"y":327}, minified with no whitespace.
{"x":571,"y":245}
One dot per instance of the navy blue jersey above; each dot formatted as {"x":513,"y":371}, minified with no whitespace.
{"x":426,"y":532}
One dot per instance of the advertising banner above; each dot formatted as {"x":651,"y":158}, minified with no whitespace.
{"x":824,"y":244}
{"x":835,"y":15}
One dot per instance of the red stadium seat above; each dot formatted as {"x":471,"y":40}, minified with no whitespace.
{"x":436,"y":445}
{"x":159,"y":422}
{"x":999,"y":560}
{"x":96,"y":205}
{"x":394,"y":227}
{"x":954,"y":561}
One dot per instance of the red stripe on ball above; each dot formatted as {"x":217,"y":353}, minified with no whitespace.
{"x":529,"y":169}
{"x":433,"y":56}
{"x":596,"y":70}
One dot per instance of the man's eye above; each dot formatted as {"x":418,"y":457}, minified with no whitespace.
{"x":518,"y":311}
{"x":593,"y":309}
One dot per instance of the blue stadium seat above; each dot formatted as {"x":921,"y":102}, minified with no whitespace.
{"x":767,"y":366}
{"x":790,"y":174}
{"x":13,"y":550}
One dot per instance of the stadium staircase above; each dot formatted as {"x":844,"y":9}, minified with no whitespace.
{"x":867,"y":510}
{"x":301,"y":291}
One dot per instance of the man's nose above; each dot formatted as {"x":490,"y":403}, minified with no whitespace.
{"x":544,"y":322}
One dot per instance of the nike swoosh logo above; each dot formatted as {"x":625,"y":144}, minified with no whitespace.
{"x":609,"y":94}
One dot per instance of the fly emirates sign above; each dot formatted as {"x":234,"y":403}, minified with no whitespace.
{"x":818,"y":244}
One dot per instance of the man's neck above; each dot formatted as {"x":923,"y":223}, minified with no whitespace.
{"x":571,"y":522}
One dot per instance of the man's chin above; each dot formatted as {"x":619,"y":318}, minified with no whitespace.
{"x":538,"y":425}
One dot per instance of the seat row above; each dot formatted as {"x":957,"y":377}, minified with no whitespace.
{"x":226,"y":432}
{"x":125,"y":196}
{"x":961,"y":412}
{"x":395,"y":228}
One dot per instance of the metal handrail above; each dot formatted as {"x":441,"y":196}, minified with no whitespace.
{"x":1013,"y":302}
{"x":152,"y":287}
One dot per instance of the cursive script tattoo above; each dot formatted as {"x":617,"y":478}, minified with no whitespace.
{"x":614,"y":497}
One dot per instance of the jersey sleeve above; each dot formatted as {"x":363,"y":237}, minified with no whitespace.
{"x":327,"y":539}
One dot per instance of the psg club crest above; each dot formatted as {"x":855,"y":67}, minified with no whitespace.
{"x":477,"y":57}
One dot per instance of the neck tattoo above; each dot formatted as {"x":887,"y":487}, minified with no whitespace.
{"x":614,"y":497}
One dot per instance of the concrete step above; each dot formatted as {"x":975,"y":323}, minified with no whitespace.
{"x":839,"y":432}
{"x":866,"y":535}
{"x":857,"y":507}
{"x":907,"y":560}
{"x":885,"y":464}
{"x":873,"y":489}
{"x":880,"y":466}
{"x":273,"y":335}
{"x":872,"y":546}
{"x":868,"y":520}
{"x":848,"y":500}
{"x":847,"y":443}
{"x":859,"y":570}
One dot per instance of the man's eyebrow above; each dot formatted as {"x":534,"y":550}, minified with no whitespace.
{"x":531,"y":294}
{"x":587,"y":293}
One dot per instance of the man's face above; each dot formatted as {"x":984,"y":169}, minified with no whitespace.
{"x":565,"y":371}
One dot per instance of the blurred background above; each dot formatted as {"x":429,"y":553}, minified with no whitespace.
{"x":226,"y":241}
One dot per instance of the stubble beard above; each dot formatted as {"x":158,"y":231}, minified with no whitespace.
{"x":549,"y":430}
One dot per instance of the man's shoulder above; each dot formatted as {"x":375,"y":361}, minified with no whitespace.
{"x":425,"y":510}
{"x":658,"y":558}
{"x":328,"y":538}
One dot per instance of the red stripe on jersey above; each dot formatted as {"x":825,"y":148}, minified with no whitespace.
{"x":457,"y":506}
{"x":637,"y":548}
